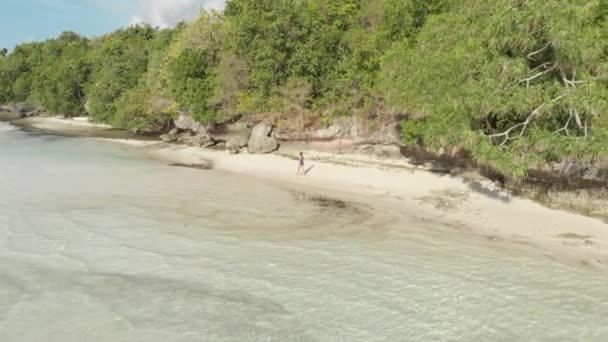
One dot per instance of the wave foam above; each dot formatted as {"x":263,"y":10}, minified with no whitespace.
{"x":6,"y":127}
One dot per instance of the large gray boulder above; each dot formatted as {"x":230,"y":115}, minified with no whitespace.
{"x":234,"y":135}
{"x":189,"y":132}
{"x":261,"y":140}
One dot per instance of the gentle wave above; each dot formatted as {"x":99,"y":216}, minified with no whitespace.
{"x":99,"y":244}
{"x":4,"y":127}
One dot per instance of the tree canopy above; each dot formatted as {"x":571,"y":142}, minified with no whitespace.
{"x":515,"y":83}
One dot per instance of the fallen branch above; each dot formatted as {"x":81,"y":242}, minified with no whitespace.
{"x":544,"y":65}
{"x":577,"y":119}
{"x":565,"y":128}
{"x":568,"y":83}
{"x":530,"y":55}
{"x":586,"y":129}
{"x":522,"y":125}
{"x":532,"y":78}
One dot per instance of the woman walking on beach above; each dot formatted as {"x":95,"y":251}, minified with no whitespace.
{"x":301,"y":166}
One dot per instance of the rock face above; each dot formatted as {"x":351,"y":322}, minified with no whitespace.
{"x":578,"y":170}
{"x":351,"y":135}
{"x":348,"y":135}
{"x":9,"y":113}
{"x":199,"y":140}
{"x":236,"y":144}
{"x":226,"y":131}
{"x":170,"y":137}
{"x":17,"y":111}
{"x":186,"y":123}
{"x":261,"y":140}
{"x":353,"y":130}
{"x":187,"y":131}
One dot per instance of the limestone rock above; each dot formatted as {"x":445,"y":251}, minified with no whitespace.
{"x":339,"y":129}
{"x":235,"y":143}
{"x":228,"y":131}
{"x":349,"y":129}
{"x":261,"y":140}
{"x":170,"y":137}
{"x":9,"y":113}
{"x":186,"y":123}
{"x":389,"y":134}
{"x":193,"y":139}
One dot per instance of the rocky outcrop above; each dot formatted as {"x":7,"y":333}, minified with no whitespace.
{"x":189,"y":132}
{"x":235,"y":135}
{"x":354,"y":131}
{"x":199,"y":140}
{"x":9,"y":113}
{"x":350,"y":135}
{"x":347,"y":135}
{"x":186,"y":123}
{"x":227,"y":130}
{"x":261,"y":140}
{"x":236,"y":144}
{"x":578,"y":170}
{"x":171,"y":136}
{"x":18,"y":111}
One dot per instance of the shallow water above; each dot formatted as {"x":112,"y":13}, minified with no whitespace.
{"x":100,"y":243}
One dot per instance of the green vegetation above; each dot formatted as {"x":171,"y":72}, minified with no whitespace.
{"x":516,"y":83}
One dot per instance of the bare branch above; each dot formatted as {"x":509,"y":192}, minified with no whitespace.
{"x":577,"y":119}
{"x":565,"y":128}
{"x":569,"y":83}
{"x":532,"y":78}
{"x":558,"y":98}
{"x":530,"y":55}
{"x":586,"y":130}
{"x":522,"y":125}
{"x":543,"y":66}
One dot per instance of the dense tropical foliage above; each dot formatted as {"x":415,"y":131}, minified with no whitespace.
{"x":516,"y":83}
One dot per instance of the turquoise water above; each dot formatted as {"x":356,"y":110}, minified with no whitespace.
{"x":100,"y":243}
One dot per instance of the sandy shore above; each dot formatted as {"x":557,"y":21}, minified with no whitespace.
{"x":62,"y":124}
{"x":475,"y":207}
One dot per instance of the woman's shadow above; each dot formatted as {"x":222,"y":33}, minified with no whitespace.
{"x":307,"y":171}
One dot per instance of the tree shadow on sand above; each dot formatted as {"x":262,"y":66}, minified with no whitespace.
{"x":450,"y":166}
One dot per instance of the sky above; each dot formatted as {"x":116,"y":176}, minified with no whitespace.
{"x":34,"y":20}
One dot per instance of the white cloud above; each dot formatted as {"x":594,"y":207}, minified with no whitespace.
{"x":166,"y":13}
{"x":162,"y":13}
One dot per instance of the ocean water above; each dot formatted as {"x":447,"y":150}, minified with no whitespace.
{"x":98,"y":242}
